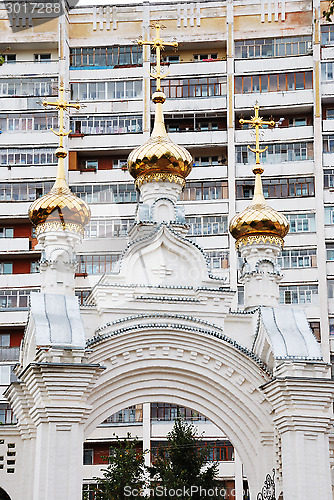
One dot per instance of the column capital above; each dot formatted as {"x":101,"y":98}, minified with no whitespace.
{"x":303,"y":404}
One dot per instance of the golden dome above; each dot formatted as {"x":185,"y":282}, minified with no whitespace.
{"x":60,"y":208}
{"x":259,"y":222}
{"x":159,"y":158}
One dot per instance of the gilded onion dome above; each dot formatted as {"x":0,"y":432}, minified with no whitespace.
{"x":60,"y":208}
{"x":159,"y":159}
{"x":259,"y":222}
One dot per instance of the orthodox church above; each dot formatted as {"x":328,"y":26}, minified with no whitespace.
{"x":161,"y":327}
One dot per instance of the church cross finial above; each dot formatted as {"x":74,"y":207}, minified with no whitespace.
{"x":158,"y":44}
{"x":257,"y":122}
{"x":62,"y":106}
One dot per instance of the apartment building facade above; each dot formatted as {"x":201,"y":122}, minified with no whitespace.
{"x":231,"y":55}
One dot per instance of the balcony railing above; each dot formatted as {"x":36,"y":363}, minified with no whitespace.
{"x":9,"y":353}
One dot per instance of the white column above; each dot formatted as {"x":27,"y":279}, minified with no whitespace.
{"x":230,"y":142}
{"x":238,"y":477}
{"x":319,"y":184}
{"x":147,"y":431}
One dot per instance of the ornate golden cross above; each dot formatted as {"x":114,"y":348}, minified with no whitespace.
{"x":62,"y":106}
{"x":257,"y":122}
{"x":158,"y":44}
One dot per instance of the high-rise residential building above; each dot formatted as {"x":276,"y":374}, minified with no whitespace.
{"x":230,"y":56}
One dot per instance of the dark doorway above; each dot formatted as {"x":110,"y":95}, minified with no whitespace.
{"x":3,"y":495}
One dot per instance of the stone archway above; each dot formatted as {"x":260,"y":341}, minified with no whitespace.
{"x":212,"y":375}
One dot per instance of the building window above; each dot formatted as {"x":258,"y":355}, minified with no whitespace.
{"x":241,"y":295}
{"x":4,"y":340}
{"x":96,"y":264}
{"x":106,"y":193}
{"x":124,"y":55}
{"x":277,"y":153}
{"x":273,"y":47}
{"x":331,"y":326}
{"x":7,"y":416}
{"x":6,"y":267}
{"x":327,"y":71}
{"x":277,"y":188}
{"x":209,"y":161}
{"x":329,"y":215}
{"x":19,"y":157}
{"x":6,"y":232}
{"x":329,"y":178}
{"x":24,"y":87}
{"x":291,"y":259}
{"x":131,"y":414}
{"x":169,"y":412}
{"x":315,"y":327}
{"x":23,"y":191}
{"x":171,"y":58}
{"x":120,"y":163}
{"x":106,"y":125}
{"x":34,"y":267}
{"x":88,"y":455}
{"x":4,"y":376}
{"x":193,"y":87}
{"x":108,"y":228}
{"x":42,"y":57}
{"x":299,"y":294}
{"x":125,"y":89}
{"x":205,"y":57}
{"x":82,"y":296}
{"x":301,"y":223}
{"x":328,"y":144}
{"x":14,"y":298}
{"x":220,"y":451}
{"x":327,"y":34}
{"x":207,"y":190}
{"x":10,"y":58}
{"x":218,"y":259}
{"x":278,"y":82}
{"x":207,"y":225}
{"x":89,"y":491}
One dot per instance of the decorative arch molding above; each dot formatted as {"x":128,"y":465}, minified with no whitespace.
{"x":198,"y":371}
{"x":185,"y":323}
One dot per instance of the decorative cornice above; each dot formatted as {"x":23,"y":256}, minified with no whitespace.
{"x":259,"y":238}
{"x":159,"y":177}
{"x":58,"y":226}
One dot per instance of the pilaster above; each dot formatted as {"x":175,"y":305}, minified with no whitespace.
{"x":50,"y":401}
{"x":303,"y":417}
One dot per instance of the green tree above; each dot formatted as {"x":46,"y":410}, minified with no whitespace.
{"x":182,"y":463}
{"x":126,"y":469}
{"x":327,"y":14}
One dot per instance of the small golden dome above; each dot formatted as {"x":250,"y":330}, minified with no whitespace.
{"x":259,"y":222}
{"x":159,"y":158}
{"x":60,"y":208}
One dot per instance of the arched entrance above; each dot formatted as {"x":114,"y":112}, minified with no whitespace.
{"x":191,"y":367}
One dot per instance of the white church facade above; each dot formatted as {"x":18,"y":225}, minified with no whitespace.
{"x":161,"y":327}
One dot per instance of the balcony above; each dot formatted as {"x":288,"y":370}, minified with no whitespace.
{"x":272,"y":64}
{"x":20,"y":280}
{"x":9,"y":354}
{"x":276,"y":134}
{"x":77,"y":74}
{"x":107,"y":142}
{"x":195,"y":104}
{"x":199,"y":138}
{"x":328,"y":125}
{"x":204,"y":68}
{"x":31,"y":68}
{"x":13,"y":244}
{"x":107,"y":106}
{"x":275,"y":99}
{"x":304,"y":167}
{"x":17,"y":138}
